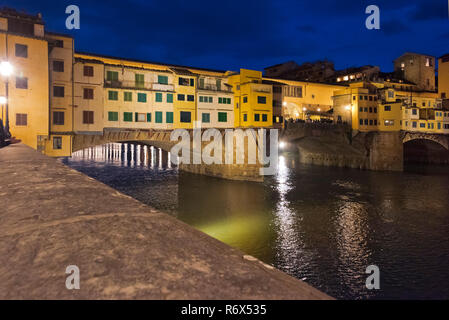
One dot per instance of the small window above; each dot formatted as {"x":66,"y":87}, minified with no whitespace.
{"x":21,"y":119}
{"x":414,"y":125}
{"x":186,"y":117}
{"x":414,"y":112}
{"x":158,"y":117}
{"x":128,"y":116}
{"x":128,"y":96}
{"x":140,"y":80}
{"x":58,"y":118}
{"x":169,"y":117}
{"x":375,"y":109}
{"x":148,"y":117}
{"x":88,"y":93}
{"x":21,"y":83}
{"x":257,"y":117}
{"x":245,"y":99}
{"x":222,"y":117}
{"x":169,"y":97}
{"x":264,"y":117}
{"x":181,"y":97}
{"x":142,"y":97}
{"x":190,"y":98}
{"x":112,"y":75}
{"x":88,"y":71}
{"x":140,"y":117}
{"x":113,"y":95}
{"x":112,"y":116}
{"x":366,"y":122}
{"x":58,"y":66}
{"x":360,"y":109}
{"x":88,"y":117}
{"x":162,"y":79}
{"x":21,"y":51}
{"x":245,"y":117}
{"x":57,"y":143}
{"x":184,"y":81}
{"x":422,"y":125}
{"x":205,"y":117}
{"x":211,"y":99}
{"x":361,"y":122}
{"x":58,"y":91}
{"x":59,"y":44}
{"x":387,"y":108}
{"x":158,"y":97}
{"x":261,"y":100}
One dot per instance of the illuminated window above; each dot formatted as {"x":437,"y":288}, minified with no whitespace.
{"x":57,"y":143}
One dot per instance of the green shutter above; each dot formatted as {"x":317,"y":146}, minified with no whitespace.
{"x":222,"y":117}
{"x":112,"y":75}
{"x":140,"y":80}
{"x":158,"y":117}
{"x":112,"y":116}
{"x":206,"y":117}
{"x":220,"y":100}
{"x":128,"y":116}
{"x":136,"y":117}
{"x":148,"y":117}
{"x":158,"y":97}
{"x":201,"y":98}
{"x":162,"y":79}
{"x":211,"y":99}
{"x":128,"y":96}
{"x":170,"y":97}
{"x":113,"y":95}
{"x":169,"y":117}
{"x":142,"y":97}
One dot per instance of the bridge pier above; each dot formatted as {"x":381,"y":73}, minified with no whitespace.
{"x":386,"y":152}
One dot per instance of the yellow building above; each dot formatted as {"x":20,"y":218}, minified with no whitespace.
{"x":60,"y":48}
{"x":306,"y":100}
{"x":443,"y":76}
{"x":253,"y":100}
{"x":23,"y":45}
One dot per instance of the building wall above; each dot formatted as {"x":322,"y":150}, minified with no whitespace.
{"x":443,"y":77}
{"x":61,"y":130}
{"x":95,"y":105}
{"x":32,"y":100}
{"x":417,"y":68}
{"x":253,"y":103}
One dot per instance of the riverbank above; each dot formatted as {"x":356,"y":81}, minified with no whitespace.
{"x":54,"y":216}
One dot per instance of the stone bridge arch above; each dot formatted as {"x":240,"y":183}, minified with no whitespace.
{"x":159,"y":139}
{"x":438,"y":138}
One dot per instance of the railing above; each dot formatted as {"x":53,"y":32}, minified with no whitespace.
{"x":129,"y":84}
{"x":212,"y":87}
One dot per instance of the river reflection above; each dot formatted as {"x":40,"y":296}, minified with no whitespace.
{"x":322,"y":225}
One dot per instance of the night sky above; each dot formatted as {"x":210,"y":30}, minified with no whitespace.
{"x":229,"y":35}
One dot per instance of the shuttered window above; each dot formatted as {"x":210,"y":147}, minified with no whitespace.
{"x":88,"y":117}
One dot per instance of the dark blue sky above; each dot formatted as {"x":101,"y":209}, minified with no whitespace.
{"x":228,"y":34}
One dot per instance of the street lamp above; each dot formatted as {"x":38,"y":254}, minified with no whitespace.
{"x":6,"y":70}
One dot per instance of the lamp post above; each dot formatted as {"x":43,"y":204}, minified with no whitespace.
{"x":6,"y":70}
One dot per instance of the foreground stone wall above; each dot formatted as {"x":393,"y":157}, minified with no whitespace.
{"x":53,"y":217}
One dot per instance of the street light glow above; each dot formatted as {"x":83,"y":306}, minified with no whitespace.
{"x":285,"y":103}
{"x":348,"y":108}
{"x":3,"y":100}
{"x":6,"y":68}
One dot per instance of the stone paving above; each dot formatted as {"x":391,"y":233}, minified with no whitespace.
{"x":53,"y":216}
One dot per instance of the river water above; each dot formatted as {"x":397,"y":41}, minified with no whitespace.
{"x":322,"y":225}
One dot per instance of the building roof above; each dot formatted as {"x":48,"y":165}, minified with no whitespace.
{"x":147,"y":62}
{"x":13,"y":13}
{"x":280,"y":64}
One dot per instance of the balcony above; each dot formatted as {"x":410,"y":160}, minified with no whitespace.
{"x":213,"y":87}
{"x":133,"y":85}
